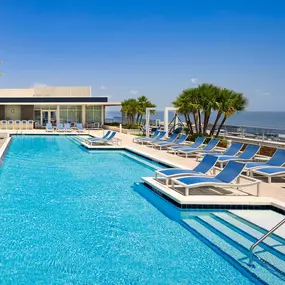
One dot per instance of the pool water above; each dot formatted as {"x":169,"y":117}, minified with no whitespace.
{"x":72,"y":216}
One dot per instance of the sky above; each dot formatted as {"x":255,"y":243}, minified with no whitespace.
{"x":156,"y":48}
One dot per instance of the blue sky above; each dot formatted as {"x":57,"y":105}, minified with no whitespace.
{"x":154,"y":48}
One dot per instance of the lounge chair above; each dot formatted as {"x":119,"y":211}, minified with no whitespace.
{"x":79,"y":128}
{"x":104,"y":137}
{"x":49,"y":127}
{"x":197,"y":143}
{"x":178,"y":142}
{"x":166,"y":143}
{"x":24,"y":124}
{"x":269,"y":172}
{"x":207,"y":163}
{"x":224,"y":179}
{"x":60,"y":127}
{"x":232,"y":150}
{"x":155,"y":135}
{"x":102,"y":141}
{"x":67,"y":127}
{"x":278,"y":159}
{"x":248,"y":154}
{"x":192,"y":151}
{"x":160,"y":136}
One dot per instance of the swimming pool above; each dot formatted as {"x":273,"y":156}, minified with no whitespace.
{"x":72,"y":216}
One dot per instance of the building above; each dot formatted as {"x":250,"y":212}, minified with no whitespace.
{"x":54,"y":105}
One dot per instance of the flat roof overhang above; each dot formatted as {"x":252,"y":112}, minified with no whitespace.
{"x":55,"y":100}
{"x":66,"y":103}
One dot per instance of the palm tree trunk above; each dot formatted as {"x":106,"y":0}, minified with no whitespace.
{"x":221,"y":125}
{"x":215,"y":123}
{"x":195,"y":121}
{"x":206,"y":121}
{"x":200,"y":123}
{"x":188,"y":123}
{"x":138,"y":117}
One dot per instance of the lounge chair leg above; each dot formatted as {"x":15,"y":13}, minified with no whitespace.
{"x":258,"y":189}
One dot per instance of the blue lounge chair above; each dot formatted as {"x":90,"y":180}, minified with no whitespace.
{"x":79,"y":128}
{"x":60,"y":127}
{"x":104,"y":137}
{"x":67,"y":127}
{"x":269,"y":172}
{"x":278,"y":159}
{"x":157,"y":139}
{"x":224,"y":179}
{"x":248,"y":154}
{"x":198,"y":142}
{"x":207,"y":163}
{"x":103,"y":141}
{"x":162,"y":144}
{"x":193,"y":151}
{"x":155,"y":135}
{"x":181,"y":140}
{"x":232,"y":150}
{"x":49,"y":127}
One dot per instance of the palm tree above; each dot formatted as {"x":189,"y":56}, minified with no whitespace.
{"x":130,"y":109}
{"x":185,"y":105}
{"x":208,"y":94}
{"x":234,"y":102}
{"x":143,"y":103}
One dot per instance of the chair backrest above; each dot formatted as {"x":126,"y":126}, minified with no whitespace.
{"x":10,"y":122}
{"x":17,"y":122}
{"x":79,"y":126}
{"x":278,"y":158}
{"x":107,"y":134}
{"x":111,"y":136}
{"x":30,"y":122}
{"x":182,"y":139}
{"x":60,"y":126}
{"x":4,"y":122}
{"x":206,"y":164}
{"x":173,"y":138}
{"x":233,"y":149}
{"x":24,"y":122}
{"x":232,"y":170}
{"x":155,"y":135}
{"x":49,"y":126}
{"x":211,"y":144}
{"x":198,"y":142}
{"x":250,"y":151}
{"x":161,"y":135}
{"x":67,"y":125}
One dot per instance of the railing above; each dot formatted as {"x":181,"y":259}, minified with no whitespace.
{"x":251,"y":253}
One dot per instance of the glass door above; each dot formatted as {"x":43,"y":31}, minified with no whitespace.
{"x":48,"y":116}
{"x":52,"y":117}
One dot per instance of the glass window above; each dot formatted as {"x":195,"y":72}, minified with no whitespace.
{"x":93,"y":114}
{"x":70,"y":114}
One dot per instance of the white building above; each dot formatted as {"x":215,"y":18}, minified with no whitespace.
{"x":54,"y":105}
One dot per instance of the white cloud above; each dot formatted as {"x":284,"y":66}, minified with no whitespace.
{"x":265,"y":93}
{"x":194,"y":80}
{"x":134,"y":92}
{"x":103,"y":87}
{"x":38,"y":84}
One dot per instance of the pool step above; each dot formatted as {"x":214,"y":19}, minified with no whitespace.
{"x":275,"y":243}
{"x":77,"y":140}
{"x":232,"y":247}
{"x":272,"y":257}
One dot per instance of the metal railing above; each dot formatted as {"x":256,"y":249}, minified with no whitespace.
{"x":251,"y":253}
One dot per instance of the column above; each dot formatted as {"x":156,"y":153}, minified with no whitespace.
{"x":83,"y":119}
{"x":102,"y":115}
{"x":57,"y":114}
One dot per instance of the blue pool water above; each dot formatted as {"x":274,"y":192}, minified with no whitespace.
{"x":69,"y":216}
